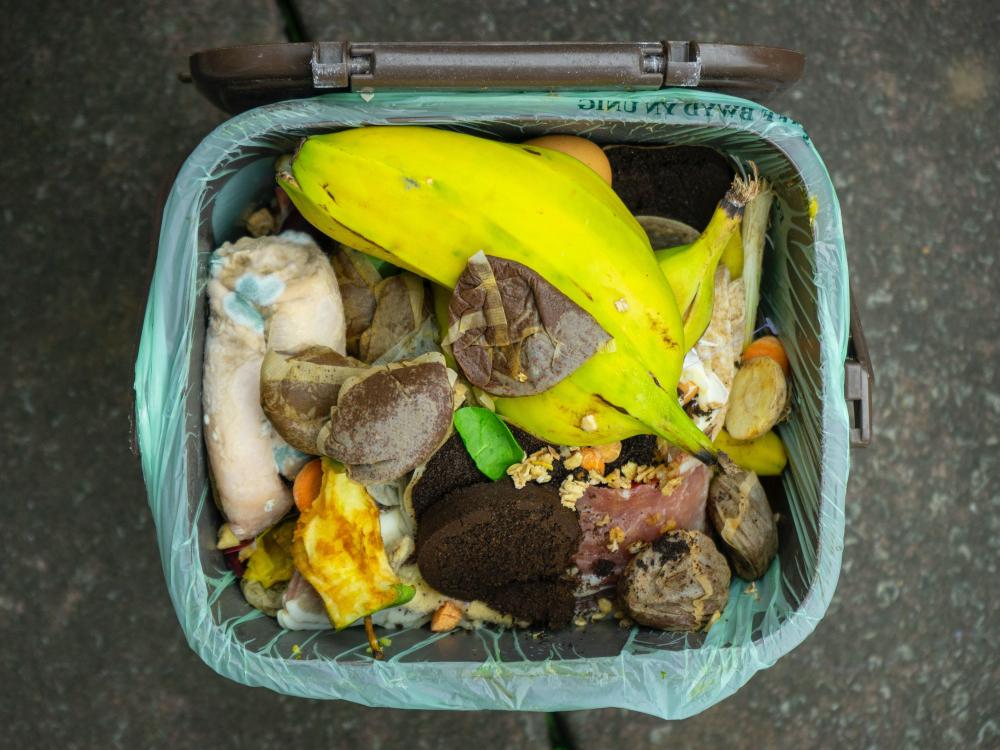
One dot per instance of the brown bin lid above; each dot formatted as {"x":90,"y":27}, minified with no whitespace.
{"x":238,"y":78}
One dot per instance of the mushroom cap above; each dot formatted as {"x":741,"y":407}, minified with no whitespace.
{"x":512,"y":332}
{"x":297,"y":391}
{"x":390,"y":419}
{"x":677,"y":583}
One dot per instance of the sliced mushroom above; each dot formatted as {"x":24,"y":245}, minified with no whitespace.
{"x":399,"y":311}
{"x":390,"y":419}
{"x":357,"y":278}
{"x":512,"y":332}
{"x":759,"y":399}
{"x":742,"y":516}
{"x":298,"y":390}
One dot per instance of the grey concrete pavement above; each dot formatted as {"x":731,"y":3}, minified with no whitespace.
{"x":902,"y":102}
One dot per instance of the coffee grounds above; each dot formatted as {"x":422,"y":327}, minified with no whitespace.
{"x":525,"y":601}
{"x":488,"y":540}
{"x":452,"y":468}
{"x":684,"y":183}
{"x":449,"y":469}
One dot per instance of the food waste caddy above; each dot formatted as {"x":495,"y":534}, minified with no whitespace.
{"x":667,"y":93}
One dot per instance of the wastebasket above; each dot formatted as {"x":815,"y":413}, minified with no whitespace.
{"x":656,"y":93}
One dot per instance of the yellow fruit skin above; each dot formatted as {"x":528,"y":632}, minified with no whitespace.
{"x":584,"y":151}
{"x":557,"y":416}
{"x":338,"y":548}
{"x":271,"y":561}
{"x":615,"y":381}
{"x":426,"y":200}
{"x":732,"y":256}
{"x":690,"y":270}
{"x":764,"y":456}
{"x":573,"y":169}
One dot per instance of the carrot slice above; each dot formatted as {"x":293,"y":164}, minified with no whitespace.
{"x":768,"y":346}
{"x":307,"y":484}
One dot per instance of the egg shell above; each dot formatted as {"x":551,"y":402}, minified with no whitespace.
{"x":579,"y":148}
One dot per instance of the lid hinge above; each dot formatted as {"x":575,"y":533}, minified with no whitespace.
{"x":857,"y":392}
{"x":683,"y":64}
{"x":332,"y":65}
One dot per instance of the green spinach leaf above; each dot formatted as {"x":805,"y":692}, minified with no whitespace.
{"x":488,"y":440}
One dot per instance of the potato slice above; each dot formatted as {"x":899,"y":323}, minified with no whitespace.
{"x":758,"y":399}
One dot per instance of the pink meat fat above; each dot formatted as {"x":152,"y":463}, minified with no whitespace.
{"x":642,"y":513}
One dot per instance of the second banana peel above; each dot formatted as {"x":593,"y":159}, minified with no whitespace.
{"x":690,"y":269}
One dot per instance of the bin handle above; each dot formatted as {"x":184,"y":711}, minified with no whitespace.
{"x":550,"y":65}
{"x":238,"y":78}
{"x":859,"y":379}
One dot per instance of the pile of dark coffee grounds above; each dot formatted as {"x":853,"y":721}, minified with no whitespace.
{"x":509,"y":548}
{"x":684,"y":183}
{"x":452,"y":468}
{"x":553,"y":598}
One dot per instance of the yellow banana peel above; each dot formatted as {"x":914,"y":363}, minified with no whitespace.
{"x":765,"y":455}
{"x":426,"y":200}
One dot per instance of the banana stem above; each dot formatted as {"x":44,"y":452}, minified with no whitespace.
{"x":743,"y":190}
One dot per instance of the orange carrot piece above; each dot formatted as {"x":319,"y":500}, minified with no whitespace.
{"x":307,"y":484}
{"x":592,"y":460}
{"x":768,"y":346}
{"x":594,"y":457}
